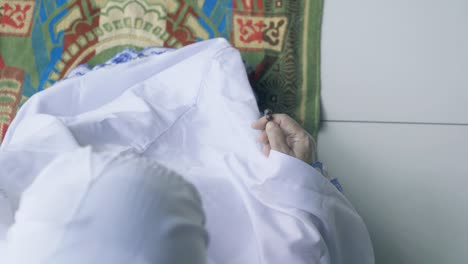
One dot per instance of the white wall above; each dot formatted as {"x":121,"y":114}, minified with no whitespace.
{"x":395,"y":130}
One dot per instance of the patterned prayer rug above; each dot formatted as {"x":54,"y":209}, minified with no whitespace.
{"x":42,"y":41}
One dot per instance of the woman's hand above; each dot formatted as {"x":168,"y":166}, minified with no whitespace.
{"x":285,"y":135}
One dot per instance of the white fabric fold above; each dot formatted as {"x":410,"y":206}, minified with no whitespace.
{"x":95,"y":212}
{"x":190,"y":110}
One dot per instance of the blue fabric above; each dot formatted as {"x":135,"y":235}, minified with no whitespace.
{"x":121,"y":57}
{"x":319,"y":166}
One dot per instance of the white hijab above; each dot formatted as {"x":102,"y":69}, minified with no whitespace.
{"x":191,"y":110}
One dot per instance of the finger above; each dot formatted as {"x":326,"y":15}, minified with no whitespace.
{"x":260,"y":123}
{"x":288,"y":124}
{"x":266,"y":149}
{"x":263,"y":138}
{"x":277,"y":138}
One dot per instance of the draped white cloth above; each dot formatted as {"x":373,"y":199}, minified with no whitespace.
{"x":190,"y":110}
{"x":105,"y":207}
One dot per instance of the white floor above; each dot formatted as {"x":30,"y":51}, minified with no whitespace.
{"x":395,"y":130}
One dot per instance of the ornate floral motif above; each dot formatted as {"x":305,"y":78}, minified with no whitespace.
{"x":16,"y":17}
{"x":260,"y":31}
{"x":250,"y":31}
{"x":271,"y":34}
{"x":11,"y":80}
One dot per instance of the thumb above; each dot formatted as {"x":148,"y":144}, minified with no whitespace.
{"x":277,"y":138}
